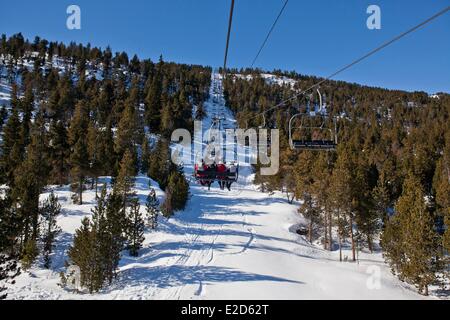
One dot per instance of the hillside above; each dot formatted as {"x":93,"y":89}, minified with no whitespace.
{"x":93,"y":128}
{"x":224,"y":245}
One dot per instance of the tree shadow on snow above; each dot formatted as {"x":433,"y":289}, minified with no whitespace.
{"x":176,"y":275}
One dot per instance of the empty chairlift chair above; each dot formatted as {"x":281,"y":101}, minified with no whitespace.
{"x":313,"y":123}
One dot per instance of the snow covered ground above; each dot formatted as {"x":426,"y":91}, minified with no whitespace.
{"x":225,"y":245}
{"x":271,"y":79}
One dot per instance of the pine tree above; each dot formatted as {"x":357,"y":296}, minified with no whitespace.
{"x":59,"y":153}
{"x":167,"y":206}
{"x":341,"y":198}
{"x":381,"y":199}
{"x":30,"y":179}
{"x":152,"y":209}
{"x":125,"y":180}
{"x":12,"y":153}
{"x":145,"y":156}
{"x":321,"y":190}
{"x":29,"y":253}
{"x":128,"y":130}
{"x":167,"y":120}
{"x":116,"y":224}
{"x":27,"y":108}
{"x":50,"y":210}
{"x":84,"y":254}
{"x":441,"y":186}
{"x":79,"y":161}
{"x":160,"y":164}
{"x":409,"y":240}
{"x":93,"y":149}
{"x":135,"y":229}
{"x":79,"y":158}
{"x":304,"y":190}
{"x":177,"y":193}
{"x":97,"y":245}
{"x":9,"y":268}
{"x":107,"y":156}
{"x":153,"y":101}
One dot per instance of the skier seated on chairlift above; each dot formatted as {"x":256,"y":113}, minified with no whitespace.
{"x":222,"y":177}
{"x":200,"y":171}
{"x":233,"y":170}
{"x":210,"y":171}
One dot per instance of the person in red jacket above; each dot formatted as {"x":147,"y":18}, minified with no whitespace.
{"x":221,"y":170}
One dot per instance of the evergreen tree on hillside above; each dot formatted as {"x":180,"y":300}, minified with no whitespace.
{"x":79,"y":157}
{"x":341,"y":198}
{"x":9,"y":230}
{"x":97,"y":245}
{"x":11,"y":149}
{"x":152,"y":209}
{"x":30,"y":179}
{"x":107,"y":156}
{"x":135,"y":228}
{"x":177,"y":193}
{"x":153,"y":101}
{"x":321,"y":191}
{"x":79,"y":162}
{"x":59,"y":153}
{"x":49,"y":212}
{"x":27,"y":107}
{"x":441,"y":186}
{"x":145,"y":156}
{"x":93,"y":149}
{"x":128,"y":132}
{"x":84,"y":254}
{"x":303,"y":191}
{"x":125,"y":180}
{"x":115,"y":237}
{"x":160,"y":163}
{"x":409,"y":239}
{"x":381,"y":199}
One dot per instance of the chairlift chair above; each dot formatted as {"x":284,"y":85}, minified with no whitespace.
{"x":324,"y":144}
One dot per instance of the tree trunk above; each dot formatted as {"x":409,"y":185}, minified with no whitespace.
{"x":325,"y":245}
{"x":340,"y":236}
{"x":310,"y":230}
{"x":426,"y":290}
{"x":330,"y":235}
{"x":80,"y":191}
{"x":96,"y":187}
{"x":352,"y":238}
{"x":369,"y":243}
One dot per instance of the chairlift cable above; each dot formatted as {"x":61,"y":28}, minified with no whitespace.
{"x":384,"y":45}
{"x":270,"y":32}
{"x":230,"y":23}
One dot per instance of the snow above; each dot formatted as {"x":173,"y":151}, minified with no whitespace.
{"x":225,"y":245}
{"x":271,"y":79}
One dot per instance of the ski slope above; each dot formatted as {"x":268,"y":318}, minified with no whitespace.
{"x":224,"y":245}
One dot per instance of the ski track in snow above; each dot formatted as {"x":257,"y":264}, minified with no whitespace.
{"x":224,"y":245}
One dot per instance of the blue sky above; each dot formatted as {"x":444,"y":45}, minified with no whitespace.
{"x":313,"y":37}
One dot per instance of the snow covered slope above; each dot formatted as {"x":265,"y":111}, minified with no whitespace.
{"x":225,"y":245}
